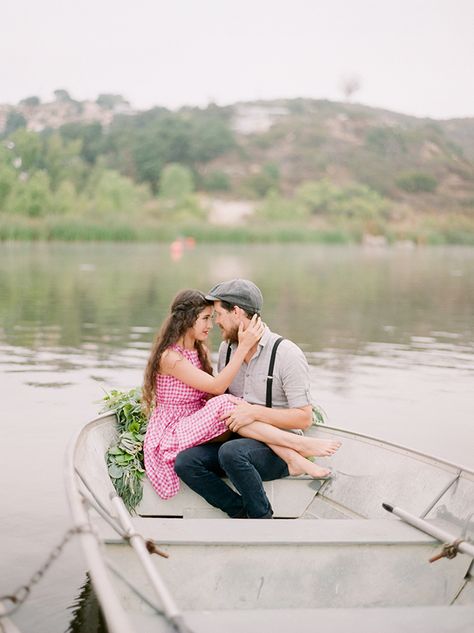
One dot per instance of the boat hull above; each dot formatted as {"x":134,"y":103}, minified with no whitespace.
{"x":344,"y":554}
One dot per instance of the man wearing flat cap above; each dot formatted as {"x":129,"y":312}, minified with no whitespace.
{"x":283,"y":400}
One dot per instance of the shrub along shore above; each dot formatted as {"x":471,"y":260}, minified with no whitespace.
{"x":428,"y":230}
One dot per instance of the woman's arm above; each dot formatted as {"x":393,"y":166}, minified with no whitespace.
{"x":173,"y":364}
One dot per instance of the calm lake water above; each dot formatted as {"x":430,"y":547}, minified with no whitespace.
{"x":389,"y":335}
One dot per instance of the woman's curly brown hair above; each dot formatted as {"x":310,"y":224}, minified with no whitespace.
{"x":184,"y":311}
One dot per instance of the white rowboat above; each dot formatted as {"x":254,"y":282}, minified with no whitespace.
{"x":333,"y":559}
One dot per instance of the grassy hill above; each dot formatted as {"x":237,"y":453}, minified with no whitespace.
{"x":312,"y":164}
{"x":348,"y":143}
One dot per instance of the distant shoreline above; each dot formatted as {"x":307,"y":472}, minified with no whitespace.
{"x":71,"y":230}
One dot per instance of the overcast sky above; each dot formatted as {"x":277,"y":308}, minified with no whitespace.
{"x":412,"y":56}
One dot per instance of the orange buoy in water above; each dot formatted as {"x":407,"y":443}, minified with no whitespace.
{"x":176,"y":249}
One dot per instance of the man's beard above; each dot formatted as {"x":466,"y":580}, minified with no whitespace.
{"x":232,"y":336}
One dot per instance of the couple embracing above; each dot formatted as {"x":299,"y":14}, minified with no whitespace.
{"x":245,"y":422}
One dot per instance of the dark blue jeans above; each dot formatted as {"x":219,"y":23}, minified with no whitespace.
{"x":245,"y":462}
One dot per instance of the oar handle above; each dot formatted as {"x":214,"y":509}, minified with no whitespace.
{"x":455,"y":544}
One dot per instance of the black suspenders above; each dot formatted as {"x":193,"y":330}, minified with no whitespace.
{"x":271,"y":365}
{"x":227,"y":359}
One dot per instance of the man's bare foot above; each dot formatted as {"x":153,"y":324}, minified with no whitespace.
{"x":299,"y":465}
{"x":312,"y":446}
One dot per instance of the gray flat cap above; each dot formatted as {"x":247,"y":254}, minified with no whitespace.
{"x":239,"y":292}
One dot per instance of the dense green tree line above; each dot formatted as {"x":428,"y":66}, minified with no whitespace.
{"x":82,"y":169}
{"x":46,"y":174}
{"x":85,"y":169}
{"x":139,"y":147}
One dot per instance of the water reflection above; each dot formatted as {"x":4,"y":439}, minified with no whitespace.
{"x":69,"y":308}
{"x":102,"y":298}
{"x":378,"y":326}
{"x":86,"y":614}
{"x":389,"y":336}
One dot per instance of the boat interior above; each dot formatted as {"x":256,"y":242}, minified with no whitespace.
{"x":331,"y":545}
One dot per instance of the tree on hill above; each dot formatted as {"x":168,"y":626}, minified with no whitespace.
{"x":92,"y":138}
{"x":111,"y":101}
{"x":176,"y":181}
{"x":62,"y":95}
{"x":30,"y":102}
{"x":141,"y":147}
{"x":416,"y":182}
{"x":350,"y":84}
{"x":15,"y":121}
{"x":177,"y":201}
{"x":352,"y":201}
{"x":27,"y":149}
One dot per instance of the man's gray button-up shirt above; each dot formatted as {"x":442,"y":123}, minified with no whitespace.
{"x":290,"y":375}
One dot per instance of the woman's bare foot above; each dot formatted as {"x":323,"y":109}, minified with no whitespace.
{"x":312,"y":446}
{"x":299,"y":465}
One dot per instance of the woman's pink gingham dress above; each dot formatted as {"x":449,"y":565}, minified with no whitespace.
{"x":182,"y":417}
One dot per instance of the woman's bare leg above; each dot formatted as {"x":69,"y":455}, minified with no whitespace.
{"x":305,"y":446}
{"x":297,"y":464}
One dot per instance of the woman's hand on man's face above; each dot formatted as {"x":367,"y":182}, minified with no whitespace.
{"x":252,"y":334}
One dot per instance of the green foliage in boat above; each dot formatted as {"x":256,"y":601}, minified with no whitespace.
{"x":125,"y":456}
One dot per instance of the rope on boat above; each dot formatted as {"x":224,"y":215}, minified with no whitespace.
{"x":449,"y":550}
{"x":18,"y":597}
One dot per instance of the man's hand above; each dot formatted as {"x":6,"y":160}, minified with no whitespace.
{"x":242,"y":415}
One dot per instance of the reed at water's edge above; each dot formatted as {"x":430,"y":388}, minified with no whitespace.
{"x":429,"y":229}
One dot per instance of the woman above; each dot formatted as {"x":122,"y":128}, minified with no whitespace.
{"x":177,"y":385}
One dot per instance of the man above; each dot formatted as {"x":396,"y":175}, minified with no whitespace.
{"x":247,"y":462}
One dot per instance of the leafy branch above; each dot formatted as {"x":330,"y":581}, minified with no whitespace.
{"x":318,"y":415}
{"x":125,"y":456}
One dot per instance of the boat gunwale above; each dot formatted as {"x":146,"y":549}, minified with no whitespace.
{"x":116,"y":617}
